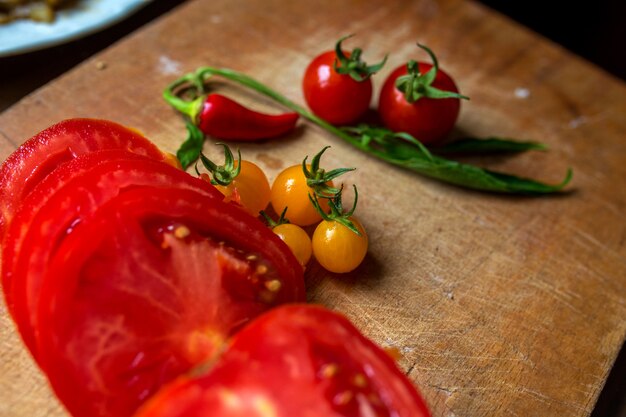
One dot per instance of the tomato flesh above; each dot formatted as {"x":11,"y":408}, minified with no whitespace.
{"x":41,"y":154}
{"x":113,"y":329}
{"x":69,"y":196}
{"x":295,"y":361}
{"x":428,"y":120}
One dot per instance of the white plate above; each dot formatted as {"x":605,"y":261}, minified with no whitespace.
{"x":87,"y":17}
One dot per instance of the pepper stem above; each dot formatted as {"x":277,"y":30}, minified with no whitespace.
{"x":192,"y":108}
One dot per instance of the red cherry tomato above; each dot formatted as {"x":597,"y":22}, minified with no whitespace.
{"x":294,"y":361}
{"x":428,"y":119}
{"x":336,"y":98}
{"x":150,"y":287}
{"x":337,"y":85}
{"x":38,"y":156}
{"x":58,"y":206}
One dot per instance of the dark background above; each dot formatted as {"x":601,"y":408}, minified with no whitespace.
{"x":596,"y":32}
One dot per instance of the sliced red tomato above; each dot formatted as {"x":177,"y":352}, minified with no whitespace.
{"x":294,"y":361}
{"x":149,"y":287}
{"x":42,"y":191}
{"x":58,"y":205}
{"x":41,"y":154}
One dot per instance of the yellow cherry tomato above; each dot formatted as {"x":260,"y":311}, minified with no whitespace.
{"x":297,"y":239}
{"x":337,"y":248}
{"x":250,"y":188}
{"x":291,"y":190}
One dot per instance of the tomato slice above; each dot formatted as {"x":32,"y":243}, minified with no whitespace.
{"x":294,"y":361}
{"x":41,"y":154}
{"x":58,"y":205}
{"x":149,"y":287}
{"x":42,"y":191}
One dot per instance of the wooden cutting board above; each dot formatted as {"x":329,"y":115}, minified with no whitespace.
{"x":500,"y":306}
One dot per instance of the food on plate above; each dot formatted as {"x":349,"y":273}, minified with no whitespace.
{"x":337,"y":85}
{"x":38,"y":10}
{"x":420,"y":99}
{"x":292,"y":187}
{"x":339,"y":241}
{"x":294,"y":361}
{"x":240,"y":181}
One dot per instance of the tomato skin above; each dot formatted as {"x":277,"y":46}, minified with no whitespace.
{"x":297,"y":239}
{"x":41,"y":154}
{"x":290,"y":190}
{"x":428,"y":120}
{"x":336,"y":98}
{"x":114,"y":328}
{"x":337,"y":248}
{"x":298,"y":360}
{"x":250,"y":188}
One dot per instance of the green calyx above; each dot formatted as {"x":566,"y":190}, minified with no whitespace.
{"x":273,"y":223}
{"x":353,"y":66}
{"x":337,"y":213}
{"x":223,"y":174}
{"x":416,"y":85}
{"x":317,"y":178}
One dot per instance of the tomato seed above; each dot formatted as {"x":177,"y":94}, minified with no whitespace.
{"x":329,"y":370}
{"x":182,"y":232}
{"x":343,"y":398}
{"x":273,"y":285}
{"x":359,"y":380}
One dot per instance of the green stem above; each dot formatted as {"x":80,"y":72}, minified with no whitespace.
{"x":425,"y":164}
{"x":192,"y":108}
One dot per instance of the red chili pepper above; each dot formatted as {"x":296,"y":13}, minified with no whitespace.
{"x":223,"y":118}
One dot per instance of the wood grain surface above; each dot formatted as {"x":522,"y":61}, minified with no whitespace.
{"x":500,"y":306}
